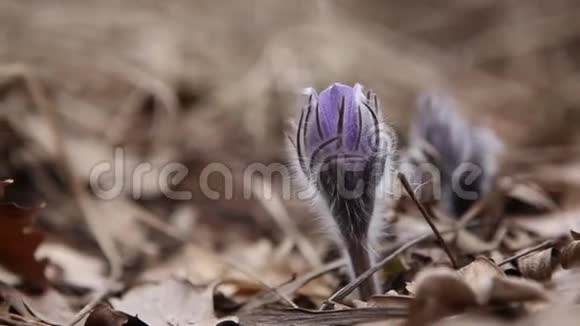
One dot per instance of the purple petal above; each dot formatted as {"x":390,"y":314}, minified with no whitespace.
{"x":340,"y":122}
{"x":329,"y":103}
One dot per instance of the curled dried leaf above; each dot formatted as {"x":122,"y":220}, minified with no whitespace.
{"x":575,"y":235}
{"x":570,"y":256}
{"x":540,"y":265}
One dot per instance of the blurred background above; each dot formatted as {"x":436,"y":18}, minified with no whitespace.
{"x":199,"y":82}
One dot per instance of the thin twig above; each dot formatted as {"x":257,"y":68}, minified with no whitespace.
{"x":542,"y":246}
{"x":346,"y":290}
{"x":428,"y":219}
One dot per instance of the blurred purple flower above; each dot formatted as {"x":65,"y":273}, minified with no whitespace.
{"x":466,"y":156}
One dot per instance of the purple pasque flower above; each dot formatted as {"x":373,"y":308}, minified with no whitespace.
{"x":342,"y":150}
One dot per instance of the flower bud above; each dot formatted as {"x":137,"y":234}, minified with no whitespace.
{"x":343,"y":150}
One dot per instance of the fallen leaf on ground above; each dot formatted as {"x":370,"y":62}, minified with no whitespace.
{"x":478,"y":274}
{"x":490,"y":284}
{"x":540,"y":265}
{"x":172,"y":302}
{"x":515,"y":290}
{"x":439,"y":292}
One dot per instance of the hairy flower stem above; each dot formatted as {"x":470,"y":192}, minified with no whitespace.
{"x":360,"y":262}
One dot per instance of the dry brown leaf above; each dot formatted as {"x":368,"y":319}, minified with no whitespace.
{"x":540,"y":265}
{"x":490,"y":284}
{"x":103,"y":315}
{"x":19,"y":244}
{"x":515,"y":289}
{"x":570,"y":256}
{"x":443,"y":292}
{"x":478,"y":275}
{"x":172,"y":302}
{"x":575,"y":235}
{"x":439,"y":292}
